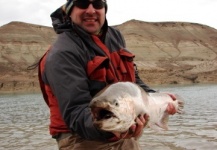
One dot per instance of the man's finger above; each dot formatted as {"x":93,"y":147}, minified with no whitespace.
{"x":171,"y":109}
{"x":146,"y":117}
{"x":139,"y":128}
{"x":172,"y":96}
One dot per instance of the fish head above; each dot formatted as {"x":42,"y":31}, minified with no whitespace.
{"x":113,"y":113}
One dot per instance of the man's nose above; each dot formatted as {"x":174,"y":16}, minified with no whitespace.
{"x":90,"y":9}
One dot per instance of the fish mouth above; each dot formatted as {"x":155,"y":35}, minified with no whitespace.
{"x":101,"y":114}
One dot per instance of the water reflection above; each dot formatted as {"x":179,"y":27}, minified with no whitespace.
{"x":24,"y":122}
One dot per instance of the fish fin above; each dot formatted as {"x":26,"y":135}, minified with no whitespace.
{"x":162,"y":125}
{"x":181,"y":104}
{"x":181,"y":101}
{"x":156,"y":127}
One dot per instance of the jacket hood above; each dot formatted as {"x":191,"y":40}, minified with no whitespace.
{"x":62,"y":23}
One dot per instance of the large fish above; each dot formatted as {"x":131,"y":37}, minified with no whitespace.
{"x":116,"y":107}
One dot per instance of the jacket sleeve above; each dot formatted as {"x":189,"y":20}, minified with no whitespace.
{"x":138,"y":80}
{"x":141,"y":83}
{"x":66,"y":75}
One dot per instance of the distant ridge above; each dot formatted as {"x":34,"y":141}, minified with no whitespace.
{"x":166,"y":52}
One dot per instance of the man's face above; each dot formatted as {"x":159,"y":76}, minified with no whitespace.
{"x":89,"y":16}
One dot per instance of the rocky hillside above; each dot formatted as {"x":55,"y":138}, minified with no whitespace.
{"x":166,"y":52}
{"x":22,"y":45}
{"x":173,"y":52}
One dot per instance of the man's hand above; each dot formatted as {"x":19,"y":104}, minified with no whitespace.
{"x":135,"y":130}
{"x":171,"y":108}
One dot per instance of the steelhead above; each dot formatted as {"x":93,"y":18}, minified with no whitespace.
{"x":116,"y":107}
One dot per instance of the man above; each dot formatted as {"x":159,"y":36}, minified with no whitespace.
{"x":87,"y":56}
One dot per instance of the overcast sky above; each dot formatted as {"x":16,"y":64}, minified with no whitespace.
{"x":119,"y":11}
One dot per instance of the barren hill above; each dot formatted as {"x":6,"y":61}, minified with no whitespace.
{"x":166,"y":52}
{"x":22,"y":45}
{"x":173,"y":52}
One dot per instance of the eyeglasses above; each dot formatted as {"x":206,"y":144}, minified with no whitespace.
{"x":84,"y":4}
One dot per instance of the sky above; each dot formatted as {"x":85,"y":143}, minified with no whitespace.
{"x":119,"y":11}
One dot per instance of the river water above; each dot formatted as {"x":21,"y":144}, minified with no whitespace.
{"x":24,"y":120}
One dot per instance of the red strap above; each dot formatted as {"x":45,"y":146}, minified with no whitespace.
{"x":101,"y":45}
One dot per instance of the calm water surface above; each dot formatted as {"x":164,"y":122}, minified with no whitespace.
{"x":24,"y":120}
